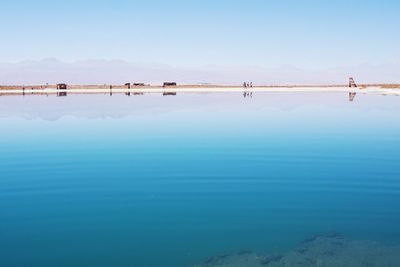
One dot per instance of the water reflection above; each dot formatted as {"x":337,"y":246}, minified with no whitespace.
{"x":170,"y":181}
{"x":62,"y":94}
{"x":248,"y":94}
{"x":169,"y":94}
{"x":96,"y":105}
{"x":352,"y":96}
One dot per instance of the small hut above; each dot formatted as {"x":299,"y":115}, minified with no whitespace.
{"x":128,"y":85}
{"x":62,"y":86}
{"x":138,"y":84}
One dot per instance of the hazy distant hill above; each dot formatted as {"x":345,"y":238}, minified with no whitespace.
{"x":118,"y":71}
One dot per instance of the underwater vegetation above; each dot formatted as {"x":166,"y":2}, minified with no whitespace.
{"x":330,"y":250}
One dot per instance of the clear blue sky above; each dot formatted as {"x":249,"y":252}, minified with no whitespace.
{"x":307,"y":34}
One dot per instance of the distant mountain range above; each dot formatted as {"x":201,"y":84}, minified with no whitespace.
{"x":118,"y":72}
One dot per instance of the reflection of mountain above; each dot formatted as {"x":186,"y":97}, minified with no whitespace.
{"x":118,"y":72}
{"x":330,"y":250}
{"x":119,"y":105}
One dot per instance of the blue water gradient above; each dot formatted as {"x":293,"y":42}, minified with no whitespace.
{"x":93,"y":180}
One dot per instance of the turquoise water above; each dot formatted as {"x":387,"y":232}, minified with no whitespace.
{"x":94,"y":180}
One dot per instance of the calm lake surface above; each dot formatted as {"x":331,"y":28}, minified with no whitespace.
{"x":147,"y":180}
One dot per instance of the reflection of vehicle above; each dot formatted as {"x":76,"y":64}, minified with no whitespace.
{"x":169,"y":93}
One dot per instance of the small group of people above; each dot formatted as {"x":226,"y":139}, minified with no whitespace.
{"x":248,"y":84}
